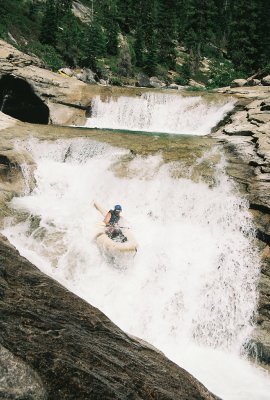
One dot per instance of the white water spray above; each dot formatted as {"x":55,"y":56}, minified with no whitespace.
{"x":156,"y":112}
{"x":191,"y":289}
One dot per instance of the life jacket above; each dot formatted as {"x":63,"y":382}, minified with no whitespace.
{"x":114,"y":218}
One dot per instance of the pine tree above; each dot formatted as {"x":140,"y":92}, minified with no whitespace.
{"x":69,"y":39}
{"x":109,"y":20}
{"x":63,"y":7}
{"x":264,"y":36}
{"x":93,"y":46}
{"x":145,"y":45}
{"x":151,"y":58}
{"x":49,"y":26}
{"x":112,"y":38}
{"x":199,"y":31}
{"x":33,"y":10}
{"x":167,"y":32}
{"x":139,"y":45}
{"x":244,"y":39}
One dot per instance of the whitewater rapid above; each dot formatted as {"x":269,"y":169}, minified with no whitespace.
{"x":159,"y":112}
{"x":191,"y":290}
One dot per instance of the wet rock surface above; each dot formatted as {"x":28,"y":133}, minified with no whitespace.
{"x":56,"y":346}
{"x":246,"y":137}
{"x":18,"y":380}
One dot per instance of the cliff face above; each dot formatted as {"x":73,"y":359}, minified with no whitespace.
{"x":56,"y":346}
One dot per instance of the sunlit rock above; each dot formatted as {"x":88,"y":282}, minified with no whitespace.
{"x":238,"y":83}
{"x":266,"y":80}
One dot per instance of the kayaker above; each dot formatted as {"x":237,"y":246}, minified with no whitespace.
{"x":113,"y":216}
{"x":111,"y":220}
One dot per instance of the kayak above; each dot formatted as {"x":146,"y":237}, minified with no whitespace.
{"x":121,"y":242}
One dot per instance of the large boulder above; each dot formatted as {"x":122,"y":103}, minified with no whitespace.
{"x":143,"y":80}
{"x":239,"y":83}
{"x":252,"y":82}
{"x":60,"y":347}
{"x":81,"y":11}
{"x":266,"y":80}
{"x":156,"y":83}
{"x":86,"y":75}
{"x":198,"y":85}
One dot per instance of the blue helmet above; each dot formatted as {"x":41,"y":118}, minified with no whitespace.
{"x":118,"y":208}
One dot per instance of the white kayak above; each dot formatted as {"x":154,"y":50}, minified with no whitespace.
{"x":127,"y":245}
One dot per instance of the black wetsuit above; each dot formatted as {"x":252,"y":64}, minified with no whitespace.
{"x":114,"y":218}
{"x":115,"y":234}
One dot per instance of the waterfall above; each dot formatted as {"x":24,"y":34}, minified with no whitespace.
{"x":191,"y":289}
{"x":156,"y":112}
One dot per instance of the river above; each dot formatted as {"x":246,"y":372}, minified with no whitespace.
{"x":191,"y":290}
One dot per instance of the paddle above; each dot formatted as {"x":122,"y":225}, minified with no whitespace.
{"x":116,"y":226}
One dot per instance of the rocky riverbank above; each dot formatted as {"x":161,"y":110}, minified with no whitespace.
{"x":246,"y":137}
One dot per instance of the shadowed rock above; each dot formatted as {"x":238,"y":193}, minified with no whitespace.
{"x":18,"y":100}
{"x":71,"y":350}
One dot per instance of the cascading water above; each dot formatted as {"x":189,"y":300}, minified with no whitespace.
{"x":156,"y":112}
{"x":191,"y":289}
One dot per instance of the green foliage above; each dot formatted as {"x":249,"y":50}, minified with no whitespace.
{"x":199,"y":28}
{"x":49,"y":25}
{"x":108,"y":20}
{"x":195,"y":89}
{"x":124,"y":63}
{"x":151,"y":61}
{"x":69,"y":39}
{"x":14,"y":19}
{"x":243,"y":43}
{"x":93,"y":45}
{"x":167,"y":34}
{"x":48,"y":54}
{"x":185,"y":74}
{"x":222,"y":74}
{"x":139,"y":45}
{"x":266,"y":69}
{"x":116,"y":81}
{"x":3,"y":31}
{"x":112,"y":38}
{"x":180,"y":80}
{"x":154,"y":28}
{"x":263,"y":33}
{"x":62,"y":7}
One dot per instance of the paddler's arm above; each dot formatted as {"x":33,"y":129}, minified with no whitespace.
{"x":107,"y":218}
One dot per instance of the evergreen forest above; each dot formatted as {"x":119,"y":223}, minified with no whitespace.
{"x":211,"y":41}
